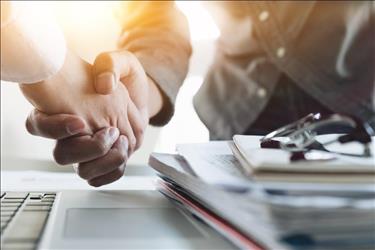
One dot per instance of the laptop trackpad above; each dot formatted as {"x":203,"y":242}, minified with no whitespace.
{"x":128,"y":223}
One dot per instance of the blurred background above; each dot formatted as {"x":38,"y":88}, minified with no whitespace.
{"x":91,"y":27}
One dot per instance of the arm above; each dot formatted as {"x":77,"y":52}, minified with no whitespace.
{"x":29,"y":54}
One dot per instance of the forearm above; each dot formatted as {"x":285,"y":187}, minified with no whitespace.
{"x":157,"y":34}
{"x":32,"y":45}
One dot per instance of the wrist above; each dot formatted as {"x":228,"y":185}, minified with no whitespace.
{"x":49,"y":95}
{"x":37,"y":94}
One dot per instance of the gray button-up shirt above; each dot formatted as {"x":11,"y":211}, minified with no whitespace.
{"x":326,"y":48}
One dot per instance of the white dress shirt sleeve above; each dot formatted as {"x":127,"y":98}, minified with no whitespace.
{"x":33,"y":47}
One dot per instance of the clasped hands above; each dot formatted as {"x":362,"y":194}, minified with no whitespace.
{"x":97,"y":113}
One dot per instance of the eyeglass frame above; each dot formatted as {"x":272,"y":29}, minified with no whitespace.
{"x":361,"y":133}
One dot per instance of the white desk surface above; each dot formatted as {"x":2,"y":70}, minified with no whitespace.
{"x":136,"y":178}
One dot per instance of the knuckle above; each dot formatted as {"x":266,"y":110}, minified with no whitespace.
{"x":124,"y":141}
{"x":134,"y":62}
{"x":119,"y":158}
{"x":131,"y":59}
{"x":118,"y":174}
{"x":139,"y":137}
{"x":132,"y":142}
{"x":139,"y":131}
{"x":138,"y":145}
{"x":122,"y":170}
{"x":94,"y":183}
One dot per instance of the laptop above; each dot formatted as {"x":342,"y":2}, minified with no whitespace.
{"x":131,"y":219}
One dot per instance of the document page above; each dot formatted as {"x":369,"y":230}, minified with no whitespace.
{"x":214,"y":163}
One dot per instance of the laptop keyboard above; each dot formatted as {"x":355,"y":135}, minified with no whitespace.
{"x":23,"y":217}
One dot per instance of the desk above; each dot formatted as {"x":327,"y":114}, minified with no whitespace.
{"x":137,"y":177}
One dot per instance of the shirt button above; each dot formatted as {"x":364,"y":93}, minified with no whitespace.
{"x":262,"y":92}
{"x":280,"y":52}
{"x":263,"y":16}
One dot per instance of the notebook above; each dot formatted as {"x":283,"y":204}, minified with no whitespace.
{"x":275,"y":164}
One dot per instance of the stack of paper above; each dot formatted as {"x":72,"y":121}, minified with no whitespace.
{"x":325,"y":222}
{"x":217,"y":201}
{"x":208,"y":181}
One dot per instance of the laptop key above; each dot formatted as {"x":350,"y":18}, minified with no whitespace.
{"x":48,"y":199}
{"x":16,"y":195}
{"x":18,"y":246}
{"x":11,"y":200}
{"x":26,"y":227}
{"x":37,"y":208}
{"x":36,"y":196}
{"x":49,"y":195}
{"x":6,"y":213}
{"x":39,"y":203}
{"x":10,"y":205}
{"x":13,"y":208}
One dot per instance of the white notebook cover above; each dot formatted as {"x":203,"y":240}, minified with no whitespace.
{"x":277,"y":160}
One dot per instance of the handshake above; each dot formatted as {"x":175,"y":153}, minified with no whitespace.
{"x":97,"y":113}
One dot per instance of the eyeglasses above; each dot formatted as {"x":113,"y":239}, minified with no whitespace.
{"x":302,"y":136}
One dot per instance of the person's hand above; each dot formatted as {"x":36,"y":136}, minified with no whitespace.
{"x":102,"y":156}
{"x":121,"y":67}
{"x":95,"y":163}
{"x":72,"y":91}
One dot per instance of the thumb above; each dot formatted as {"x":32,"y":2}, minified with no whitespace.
{"x":112,"y":68}
{"x":105,"y":75}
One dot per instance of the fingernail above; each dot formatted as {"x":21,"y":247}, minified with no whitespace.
{"x":75,"y":127}
{"x":105,"y":82}
{"x":113,"y":133}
